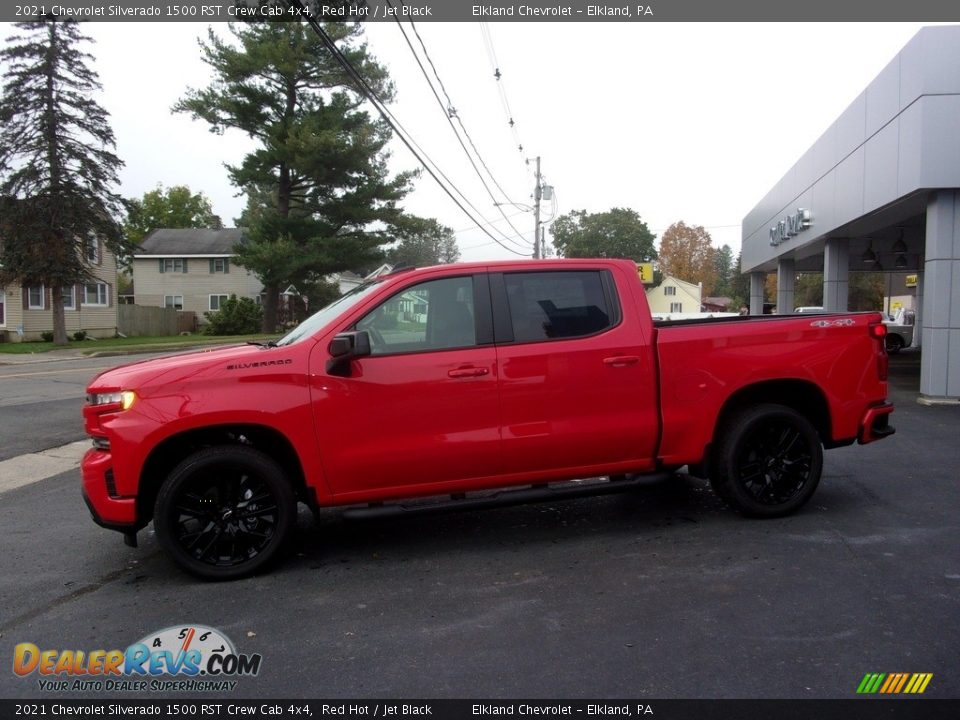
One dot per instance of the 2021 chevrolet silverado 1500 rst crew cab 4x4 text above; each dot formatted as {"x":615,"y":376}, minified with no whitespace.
{"x":461,"y":380}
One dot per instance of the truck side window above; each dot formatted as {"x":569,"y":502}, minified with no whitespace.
{"x":433,"y":315}
{"x":557,"y":305}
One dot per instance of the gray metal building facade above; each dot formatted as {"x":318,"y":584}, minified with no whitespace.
{"x":883,"y":181}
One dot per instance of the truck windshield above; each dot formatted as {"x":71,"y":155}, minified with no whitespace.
{"x":316,"y":321}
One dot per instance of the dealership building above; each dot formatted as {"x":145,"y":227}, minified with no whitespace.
{"x":879,"y":191}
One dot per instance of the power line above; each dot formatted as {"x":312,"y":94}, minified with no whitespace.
{"x":501,"y":86}
{"x":449,"y":112}
{"x":394,"y":124}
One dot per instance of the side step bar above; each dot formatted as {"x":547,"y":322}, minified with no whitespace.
{"x":503,"y":498}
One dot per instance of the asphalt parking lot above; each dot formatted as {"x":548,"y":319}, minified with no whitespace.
{"x":658,"y":593}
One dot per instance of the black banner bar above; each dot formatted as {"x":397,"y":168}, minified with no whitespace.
{"x":208,"y":11}
{"x":205,"y":708}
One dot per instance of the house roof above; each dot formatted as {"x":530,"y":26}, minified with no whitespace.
{"x":190,"y":241}
{"x":720,"y":301}
{"x":691,"y":287}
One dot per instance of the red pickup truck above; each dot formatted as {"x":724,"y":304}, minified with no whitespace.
{"x":459,"y":381}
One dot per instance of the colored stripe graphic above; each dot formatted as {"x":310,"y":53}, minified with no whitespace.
{"x":870,"y":683}
{"x":894,"y":683}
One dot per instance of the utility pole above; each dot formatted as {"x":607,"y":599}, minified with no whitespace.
{"x":536,"y":214}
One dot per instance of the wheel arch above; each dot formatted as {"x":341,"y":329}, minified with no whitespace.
{"x":172,"y":450}
{"x":801,"y":395}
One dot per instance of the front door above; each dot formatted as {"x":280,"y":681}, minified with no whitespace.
{"x":421,"y":412}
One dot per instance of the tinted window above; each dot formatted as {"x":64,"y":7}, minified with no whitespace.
{"x":430,"y":316}
{"x":554,"y":305}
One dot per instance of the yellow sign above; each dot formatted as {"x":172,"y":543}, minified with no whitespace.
{"x":645,"y":271}
{"x":911,"y":280}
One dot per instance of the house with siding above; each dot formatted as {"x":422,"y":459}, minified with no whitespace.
{"x":191,"y":269}
{"x":674,"y":296}
{"x":27,"y":312}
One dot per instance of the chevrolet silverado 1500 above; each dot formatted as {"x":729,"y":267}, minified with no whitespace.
{"x":478,"y":384}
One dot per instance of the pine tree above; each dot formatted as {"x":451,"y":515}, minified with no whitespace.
{"x":57,"y":163}
{"x":317,"y":184}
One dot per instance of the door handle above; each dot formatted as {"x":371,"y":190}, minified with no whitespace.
{"x":621,"y":360}
{"x":468,"y":372}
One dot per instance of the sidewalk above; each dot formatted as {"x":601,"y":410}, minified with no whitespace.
{"x":89,"y":350}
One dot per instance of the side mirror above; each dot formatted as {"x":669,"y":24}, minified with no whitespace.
{"x":343,"y":348}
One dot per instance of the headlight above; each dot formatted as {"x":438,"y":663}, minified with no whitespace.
{"x":124,"y":399}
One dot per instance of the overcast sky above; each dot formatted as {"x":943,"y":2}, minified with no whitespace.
{"x":692,"y":122}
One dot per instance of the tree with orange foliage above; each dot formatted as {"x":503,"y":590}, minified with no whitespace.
{"x":686,"y":254}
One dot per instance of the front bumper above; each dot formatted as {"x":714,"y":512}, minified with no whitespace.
{"x":108,"y":509}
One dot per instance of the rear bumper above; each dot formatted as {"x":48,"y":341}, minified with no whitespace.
{"x":107,"y":508}
{"x":875,"y":424}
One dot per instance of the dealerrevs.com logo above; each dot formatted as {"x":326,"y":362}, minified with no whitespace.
{"x":182,"y":658}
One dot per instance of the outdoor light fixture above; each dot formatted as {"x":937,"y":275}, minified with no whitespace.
{"x":877,"y":267}
{"x":900,"y":246}
{"x":901,"y":262}
{"x":869,"y":256}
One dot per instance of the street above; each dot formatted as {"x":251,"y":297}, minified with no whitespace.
{"x":657,"y":593}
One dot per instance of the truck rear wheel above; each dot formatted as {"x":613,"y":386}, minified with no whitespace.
{"x":225,"y":512}
{"x":768,"y":461}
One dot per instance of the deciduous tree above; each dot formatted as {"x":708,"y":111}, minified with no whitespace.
{"x":686,"y":254}
{"x":423,"y":241}
{"x":617,"y":233}
{"x":173,"y":207}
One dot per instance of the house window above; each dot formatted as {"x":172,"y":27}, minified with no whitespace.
{"x":69,"y":298}
{"x":93,"y":251}
{"x":669,"y":290}
{"x":219,"y":265}
{"x":676,"y":307}
{"x":173,"y":301}
{"x":35,"y":298}
{"x":216,"y":301}
{"x":174,"y":265}
{"x":96,"y":294}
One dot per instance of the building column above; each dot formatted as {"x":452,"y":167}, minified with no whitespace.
{"x":918,"y":320}
{"x":757,"y":281}
{"x":786,"y":277}
{"x":836,"y":274}
{"x":940,"y":359}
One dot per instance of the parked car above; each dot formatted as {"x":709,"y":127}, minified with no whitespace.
{"x":460,"y":381}
{"x":900,"y":329}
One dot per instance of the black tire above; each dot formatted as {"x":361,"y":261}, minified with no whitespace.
{"x":894,"y":344}
{"x":225,"y":512}
{"x":768,"y":461}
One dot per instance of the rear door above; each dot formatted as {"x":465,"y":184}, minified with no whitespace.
{"x":577,"y":381}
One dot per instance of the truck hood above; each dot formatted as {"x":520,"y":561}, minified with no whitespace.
{"x":177,"y":367}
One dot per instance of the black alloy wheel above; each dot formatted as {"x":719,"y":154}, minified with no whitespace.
{"x":225,"y":512}
{"x":769,"y":461}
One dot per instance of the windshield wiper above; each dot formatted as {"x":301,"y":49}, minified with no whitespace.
{"x":269,"y":344}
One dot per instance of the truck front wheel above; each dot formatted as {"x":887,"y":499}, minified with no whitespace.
{"x":768,"y":461}
{"x":225,"y":512}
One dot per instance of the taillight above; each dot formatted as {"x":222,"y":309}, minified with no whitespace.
{"x":878,"y":331}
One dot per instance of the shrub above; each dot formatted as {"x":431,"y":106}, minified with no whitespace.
{"x":47,"y":336}
{"x":80,"y":335}
{"x":236,"y":316}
